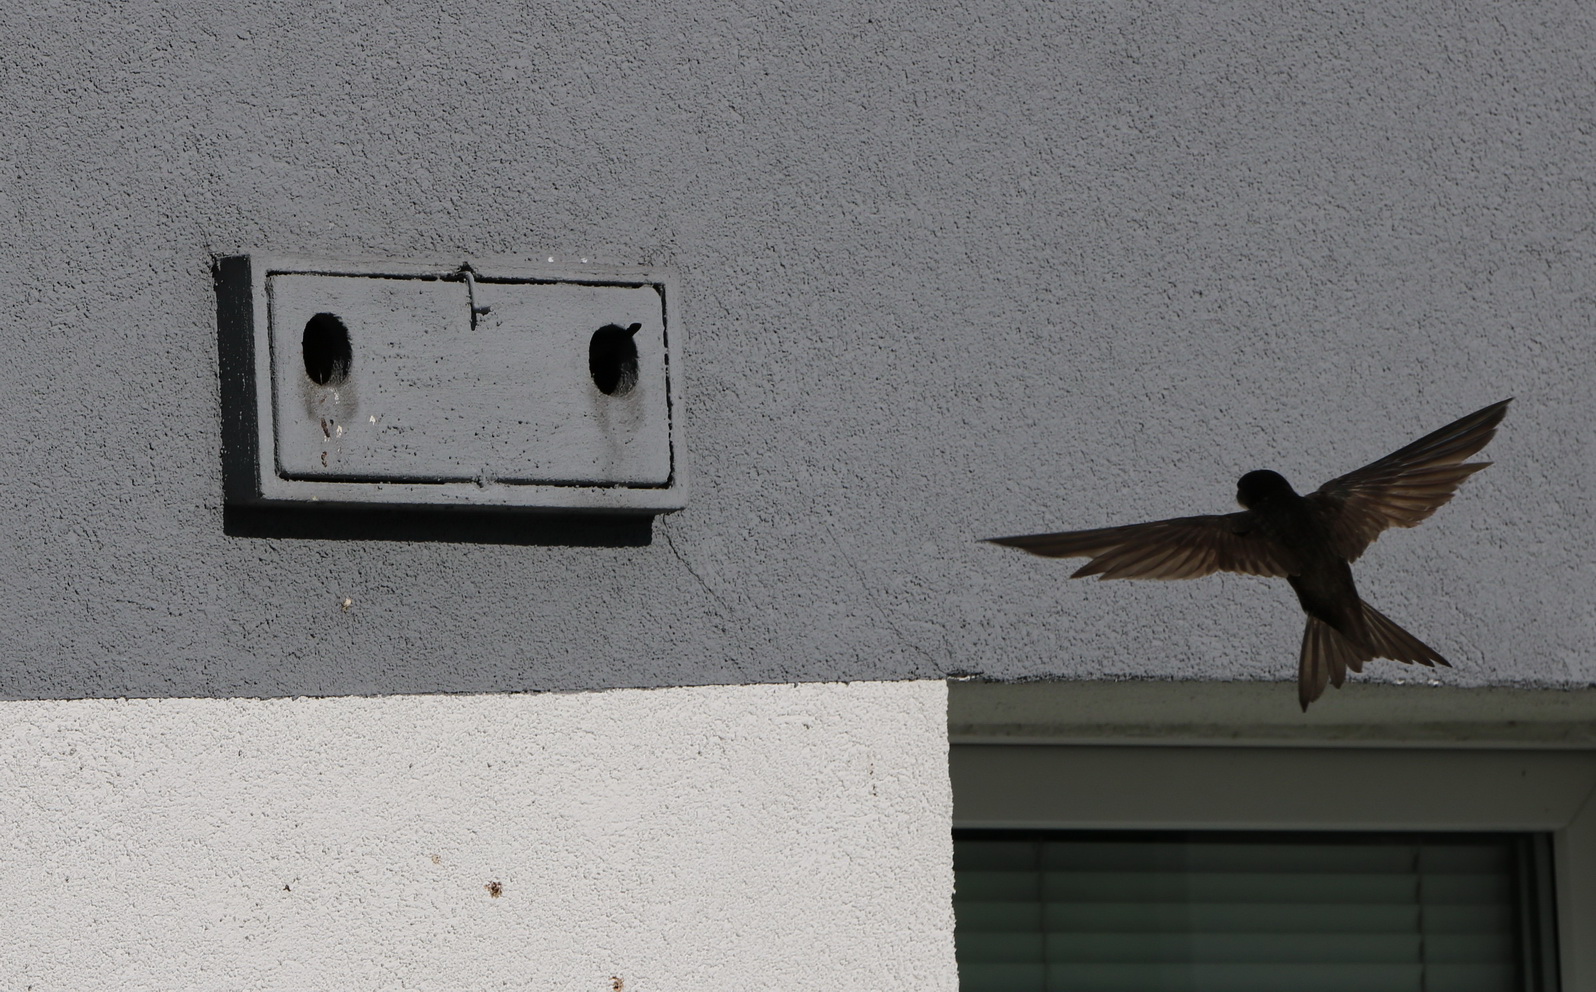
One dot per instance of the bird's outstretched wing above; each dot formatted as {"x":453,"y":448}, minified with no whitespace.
{"x":1182,"y":548}
{"x":1405,"y":487}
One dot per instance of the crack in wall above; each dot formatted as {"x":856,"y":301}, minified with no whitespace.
{"x":693,"y":571}
{"x":870,"y":594}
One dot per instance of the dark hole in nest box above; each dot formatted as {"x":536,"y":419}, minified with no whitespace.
{"x":326,"y":348}
{"x":612,"y":359}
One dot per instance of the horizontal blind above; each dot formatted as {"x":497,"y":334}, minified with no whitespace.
{"x":1238,"y":912}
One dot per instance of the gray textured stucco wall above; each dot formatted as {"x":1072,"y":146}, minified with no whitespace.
{"x":949,"y":272}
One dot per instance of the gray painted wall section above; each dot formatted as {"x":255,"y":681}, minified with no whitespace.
{"x":948,"y":273}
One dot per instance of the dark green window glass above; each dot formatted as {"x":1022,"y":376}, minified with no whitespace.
{"x":1087,"y":911}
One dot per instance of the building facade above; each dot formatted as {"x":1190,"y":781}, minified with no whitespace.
{"x":940,"y":274}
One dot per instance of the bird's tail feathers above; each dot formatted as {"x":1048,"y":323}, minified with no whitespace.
{"x":1327,"y":654}
{"x":1326,"y":657}
{"x":1387,"y":640}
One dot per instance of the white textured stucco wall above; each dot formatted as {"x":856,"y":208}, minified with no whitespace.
{"x":790,"y":837}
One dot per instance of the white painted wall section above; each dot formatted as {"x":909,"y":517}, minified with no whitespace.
{"x":791,"y":837}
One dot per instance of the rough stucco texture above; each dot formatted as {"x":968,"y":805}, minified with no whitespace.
{"x":756,"y":837}
{"x":949,"y":271}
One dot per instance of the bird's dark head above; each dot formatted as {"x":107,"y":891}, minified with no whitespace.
{"x":1260,"y":487}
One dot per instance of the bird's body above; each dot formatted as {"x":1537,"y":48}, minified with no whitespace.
{"x":1321,"y":579}
{"x":1309,"y":540}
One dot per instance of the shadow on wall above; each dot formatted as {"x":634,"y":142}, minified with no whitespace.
{"x":451,"y":526}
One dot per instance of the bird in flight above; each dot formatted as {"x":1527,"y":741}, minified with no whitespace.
{"x":1309,"y":540}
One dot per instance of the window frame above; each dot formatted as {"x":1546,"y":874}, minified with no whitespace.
{"x":1104,"y":786}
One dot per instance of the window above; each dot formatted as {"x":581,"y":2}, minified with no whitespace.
{"x":1483,"y":863}
{"x":1138,"y":911}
